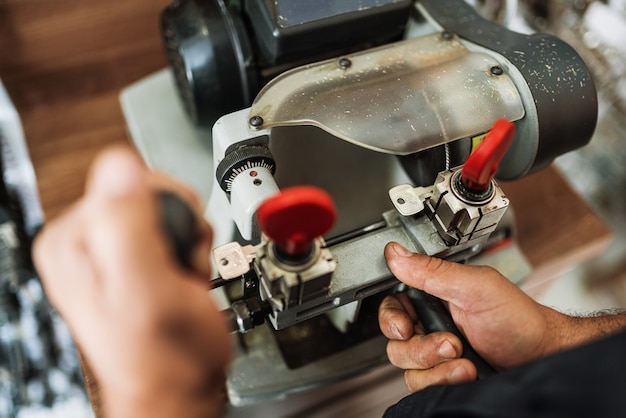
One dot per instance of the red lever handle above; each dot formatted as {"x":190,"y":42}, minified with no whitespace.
{"x":482,"y":164}
{"x":293,"y":218}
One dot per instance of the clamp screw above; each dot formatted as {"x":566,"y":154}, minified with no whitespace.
{"x":496,"y":70}
{"x":345,"y":63}
{"x":446,"y":35}
{"x":256,"y":121}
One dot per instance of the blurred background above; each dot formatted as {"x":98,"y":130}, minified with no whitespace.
{"x":63,"y":65}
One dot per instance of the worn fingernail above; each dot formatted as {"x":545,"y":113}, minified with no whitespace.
{"x":446,"y":350}
{"x":458,"y":375}
{"x":396,"y":331}
{"x":401,"y":251}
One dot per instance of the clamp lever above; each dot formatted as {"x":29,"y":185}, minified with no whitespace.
{"x":481,"y":166}
{"x":294,"y":218}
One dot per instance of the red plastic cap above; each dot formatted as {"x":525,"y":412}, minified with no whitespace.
{"x":295,"y":217}
{"x":482,"y":164}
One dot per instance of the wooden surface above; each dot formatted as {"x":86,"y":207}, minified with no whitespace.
{"x":555,"y":227}
{"x":64,"y":63}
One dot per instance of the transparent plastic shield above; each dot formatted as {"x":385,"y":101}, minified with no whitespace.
{"x":397,"y":99}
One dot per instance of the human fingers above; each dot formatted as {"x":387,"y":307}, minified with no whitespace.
{"x":115,"y":281}
{"x":456,"y":283}
{"x":116,"y":171}
{"x":424,"y":351}
{"x":59,"y":256}
{"x":126,"y":243}
{"x":396,"y":317}
{"x":60,"y":251}
{"x":119,"y":167}
{"x":447,"y":373}
{"x":121,"y":212}
{"x":503,"y":324}
{"x":125,"y":238}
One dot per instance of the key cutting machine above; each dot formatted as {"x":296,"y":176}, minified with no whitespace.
{"x":398,"y":139}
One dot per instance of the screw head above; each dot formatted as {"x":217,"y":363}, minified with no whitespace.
{"x":446,"y":35}
{"x":345,"y":63}
{"x":256,"y":121}
{"x":496,"y":70}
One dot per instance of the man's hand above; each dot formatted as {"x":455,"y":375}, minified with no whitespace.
{"x":504,"y":325}
{"x":147,"y":327}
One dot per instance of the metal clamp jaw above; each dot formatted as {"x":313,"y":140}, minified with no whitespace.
{"x":465,"y":203}
{"x":282,"y":284}
{"x":457,"y":218}
{"x":286,"y":284}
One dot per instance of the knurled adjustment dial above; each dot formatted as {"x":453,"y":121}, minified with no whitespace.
{"x":240,"y":160}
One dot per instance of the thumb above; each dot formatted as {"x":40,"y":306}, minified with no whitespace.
{"x":456,"y":283}
{"x":116,"y":172}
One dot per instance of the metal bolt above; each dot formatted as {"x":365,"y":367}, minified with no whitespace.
{"x":345,"y":63}
{"x":256,"y":121}
{"x":447,"y":36}
{"x":496,"y":70}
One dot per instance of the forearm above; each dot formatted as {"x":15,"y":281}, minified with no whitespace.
{"x":568,"y":331}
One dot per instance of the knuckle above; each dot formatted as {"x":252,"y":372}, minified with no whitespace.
{"x":416,"y":380}
{"x":399,"y":355}
{"x":421,"y":358}
{"x":484,"y":271}
{"x":419,"y":352}
{"x":436,"y":265}
{"x":425,"y":349}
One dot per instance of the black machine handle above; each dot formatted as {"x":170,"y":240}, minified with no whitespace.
{"x":180,"y":226}
{"x":435,"y":317}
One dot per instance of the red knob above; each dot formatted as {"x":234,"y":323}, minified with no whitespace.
{"x":293,"y":218}
{"x":482,"y":164}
